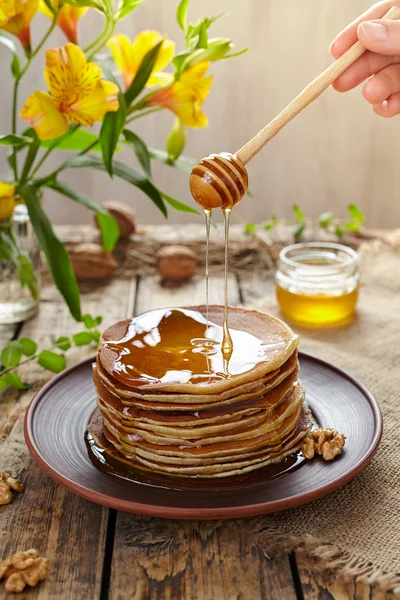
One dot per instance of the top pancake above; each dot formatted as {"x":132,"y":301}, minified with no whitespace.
{"x":262,"y":344}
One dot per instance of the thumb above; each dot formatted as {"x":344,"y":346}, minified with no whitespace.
{"x":381,"y":36}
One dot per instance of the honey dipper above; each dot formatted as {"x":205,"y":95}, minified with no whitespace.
{"x":221,"y":180}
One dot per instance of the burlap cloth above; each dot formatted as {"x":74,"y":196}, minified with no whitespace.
{"x":356,"y":530}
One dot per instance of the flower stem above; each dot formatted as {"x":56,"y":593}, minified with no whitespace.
{"x":14,"y":124}
{"x":143,"y":114}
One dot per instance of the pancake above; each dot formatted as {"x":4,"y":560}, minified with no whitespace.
{"x":171,"y":400}
{"x":274,"y":340}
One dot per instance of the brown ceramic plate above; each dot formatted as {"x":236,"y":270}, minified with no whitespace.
{"x":57,"y":418}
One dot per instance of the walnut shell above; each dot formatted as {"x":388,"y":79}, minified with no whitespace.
{"x":123,"y":214}
{"x":176,"y":263}
{"x":91,"y":261}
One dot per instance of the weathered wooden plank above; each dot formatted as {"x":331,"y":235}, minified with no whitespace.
{"x":324,"y":587}
{"x":68,"y":530}
{"x":164,"y":559}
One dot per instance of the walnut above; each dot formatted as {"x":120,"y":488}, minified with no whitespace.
{"x":176,"y":263}
{"x":12,"y":482}
{"x":22,"y":569}
{"x":123,"y":214}
{"x":5,"y":493}
{"x":326,"y":442}
{"x":8,"y":483}
{"x":91,"y":261}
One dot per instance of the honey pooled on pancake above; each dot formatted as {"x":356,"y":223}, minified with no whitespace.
{"x":169,"y":405}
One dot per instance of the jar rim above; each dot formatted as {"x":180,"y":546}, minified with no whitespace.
{"x":349,"y":252}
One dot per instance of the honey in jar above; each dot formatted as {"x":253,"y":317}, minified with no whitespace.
{"x":317,"y":283}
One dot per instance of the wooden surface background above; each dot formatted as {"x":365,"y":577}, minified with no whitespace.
{"x":101,"y":554}
{"x":335,"y":152}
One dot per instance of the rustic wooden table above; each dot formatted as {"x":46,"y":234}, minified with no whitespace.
{"x":97,"y":553}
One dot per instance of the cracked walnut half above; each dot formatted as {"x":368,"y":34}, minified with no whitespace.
{"x":326,"y":442}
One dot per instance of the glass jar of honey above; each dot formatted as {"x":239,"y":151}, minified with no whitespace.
{"x":317,"y":283}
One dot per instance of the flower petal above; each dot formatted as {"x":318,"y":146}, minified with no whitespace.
{"x":19,"y":15}
{"x":186,"y":96}
{"x":93,"y":107}
{"x":68,"y":75}
{"x":7,"y":190}
{"x":160,"y":79}
{"x":41,"y":112}
{"x":68,"y":20}
{"x":121,"y":50}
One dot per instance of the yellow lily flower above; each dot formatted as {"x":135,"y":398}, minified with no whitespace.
{"x":78,"y":95}
{"x":67,"y":18}
{"x":7,"y":200}
{"x":128,"y":56}
{"x":15,"y":17}
{"x":186,"y":96}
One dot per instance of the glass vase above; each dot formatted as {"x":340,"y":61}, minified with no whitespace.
{"x":19,"y":282}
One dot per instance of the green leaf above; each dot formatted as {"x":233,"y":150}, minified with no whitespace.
{"x":249,"y":228}
{"x":15,"y":140}
{"x":127,"y":6}
{"x":143,"y":73}
{"x":83,"y":338}
{"x":98,"y":320}
{"x":56,"y":255}
{"x":176,"y":140}
{"x":95,"y":335}
{"x":63,"y":343}
{"x":339,"y":231}
{"x":127,"y":173}
{"x":297,"y":233}
{"x":29,"y":347}
{"x":325,"y":219}
{"x":110,"y":131}
{"x":30,"y":157}
{"x":108,"y":225}
{"x":140,"y":149}
{"x":88,"y":321}
{"x":11,"y":354}
{"x":15,"y":66}
{"x":184,"y":163}
{"x":15,"y":381}
{"x":179,"y":206}
{"x":26,"y":274}
{"x":352,"y":226}
{"x":73,"y":142}
{"x":298,"y":213}
{"x":3,"y":384}
{"x":181,"y":14}
{"x":203,"y":36}
{"x":271,"y":223}
{"x":356,"y":214}
{"x":52,"y":361}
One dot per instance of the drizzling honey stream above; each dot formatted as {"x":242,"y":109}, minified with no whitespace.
{"x":219,"y":181}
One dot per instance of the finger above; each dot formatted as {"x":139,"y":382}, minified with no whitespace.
{"x":381,"y":36}
{"x":366,"y":66}
{"x":384,"y":84}
{"x":389,"y":108}
{"x":348,"y":36}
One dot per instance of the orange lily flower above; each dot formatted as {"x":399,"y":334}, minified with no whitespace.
{"x":128,"y":56}
{"x":67,"y":18}
{"x":7,"y":200}
{"x":186,"y":96}
{"x":15,"y":17}
{"x":78,"y":95}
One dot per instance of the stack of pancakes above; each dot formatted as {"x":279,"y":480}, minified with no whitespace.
{"x":172,"y":403}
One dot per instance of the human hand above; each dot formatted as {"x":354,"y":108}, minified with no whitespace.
{"x":380,"y":64}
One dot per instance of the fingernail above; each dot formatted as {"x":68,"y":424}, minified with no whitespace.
{"x":376,"y":32}
{"x":385,"y":105}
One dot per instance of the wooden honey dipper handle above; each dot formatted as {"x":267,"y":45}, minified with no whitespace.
{"x":308,"y":95}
